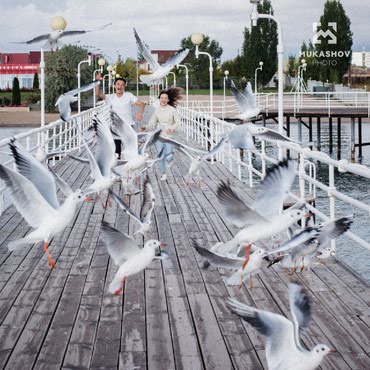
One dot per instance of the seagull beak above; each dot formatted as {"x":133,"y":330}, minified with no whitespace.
{"x":88,"y":199}
{"x":332,"y":350}
{"x":309,"y":214}
{"x":162,"y":244}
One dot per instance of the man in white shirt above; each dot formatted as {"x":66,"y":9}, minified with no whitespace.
{"x":121,"y":102}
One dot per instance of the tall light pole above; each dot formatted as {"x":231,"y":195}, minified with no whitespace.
{"x":226,"y":73}
{"x":255,"y":76}
{"x":174,"y":78}
{"x":113,"y":73}
{"x":280,"y":50}
{"x":88,"y":61}
{"x":197,"y":39}
{"x":186,"y":82}
{"x":101,"y":63}
{"x":109,"y":69}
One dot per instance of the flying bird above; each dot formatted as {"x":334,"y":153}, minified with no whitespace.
{"x":284,"y":350}
{"x":159,"y":71}
{"x":65,"y":100}
{"x":127,"y":255}
{"x":52,"y":38}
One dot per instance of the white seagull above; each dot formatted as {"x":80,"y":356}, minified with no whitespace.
{"x":52,"y":38}
{"x":283,"y":347}
{"x":147,"y":206}
{"x":33,"y":191}
{"x":65,"y":100}
{"x":159,"y":71}
{"x":127,"y":255}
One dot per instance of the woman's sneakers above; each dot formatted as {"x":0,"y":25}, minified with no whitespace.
{"x":164,"y":177}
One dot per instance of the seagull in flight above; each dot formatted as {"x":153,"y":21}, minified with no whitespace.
{"x":33,"y":191}
{"x":127,"y":255}
{"x":284,"y":350}
{"x":65,"y":100}
{"x":159,"y":71}
{"x":52,"y":38}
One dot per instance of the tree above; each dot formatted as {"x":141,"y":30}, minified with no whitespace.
{"x":292,"y":66}
{"x":312,"y":70}
{"x":16,"y":95}
{"x":127,"y":68}
{"x":61,"y":72}
{"x":234,"y":66}
{"x":334,"y":67}
{"x":35,"y":85}
{"x":200,"y":67}
{"x":260,"y":45}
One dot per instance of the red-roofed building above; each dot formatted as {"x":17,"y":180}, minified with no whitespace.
{"x":20,"y":65}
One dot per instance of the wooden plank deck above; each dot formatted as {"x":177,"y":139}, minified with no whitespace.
{"x":172,"y":315}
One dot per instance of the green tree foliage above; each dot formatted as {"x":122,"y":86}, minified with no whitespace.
{"x":16,"y":95}
{"x":200,"y":67}
{"x":61,"y":73}
{"x":35,"y":85}
{"x":312,"y":70}
{"x":260,"y":45}
{"x":234,"y":66}
{"x":127,"y":68}
{"x":292,"y":66}
{"x":334,"y":12}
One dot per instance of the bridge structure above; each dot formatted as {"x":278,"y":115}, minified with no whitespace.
{"x":173,"y":314}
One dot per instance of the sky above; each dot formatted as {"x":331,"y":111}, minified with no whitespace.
{"x":163,"y":23}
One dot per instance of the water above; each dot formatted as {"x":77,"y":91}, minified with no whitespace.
{"x":347,"y":250}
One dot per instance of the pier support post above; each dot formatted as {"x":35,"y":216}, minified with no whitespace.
{"x":318,"y":133}
{"x":339,"y":134}
{"x":359,"y":133}
{"x":330,"y":135}
{"x":299,"y":128}
{"x":353,"y":139}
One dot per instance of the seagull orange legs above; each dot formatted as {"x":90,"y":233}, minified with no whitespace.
{"x":248,"y":249}
{"x":119,"y":290}
{"x":50,"y":258}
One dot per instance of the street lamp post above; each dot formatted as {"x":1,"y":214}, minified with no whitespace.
{"x":280,"y":50}
{"x":196,"y":39}
{"x":174,"y":78}
{"x":101,"y":63}
{"x":88,"y":61}
{"x":255,"y":76}
{"x":186,"y":82}
{"x":113,"y":73}
{"x":109,"y":69}
{"x":42,"y":88}
{"x":104,"y":77}
{"x":226,"y":73}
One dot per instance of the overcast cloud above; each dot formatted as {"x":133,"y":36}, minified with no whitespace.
{"x":163,"y":23}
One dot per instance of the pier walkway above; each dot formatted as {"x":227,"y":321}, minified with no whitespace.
{"x":172,"y":315}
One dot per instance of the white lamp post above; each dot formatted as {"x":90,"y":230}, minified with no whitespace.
{"x":174,"y":78}
{"x":113,"y":73}
{"x":186,"y":82}
{"x":226,"y":73}
{"x":101,"y":63}
{"x":280,"y":50}
{"x":255,"y":76}
{"x":196,"y":39}
{"x":104,"y":77}
{"x":88,"y":61}
{"x":109,"y":69}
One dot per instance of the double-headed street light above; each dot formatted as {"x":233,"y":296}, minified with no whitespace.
{"x":255,"y":76}
{"x":88,"y":61}
{"x":101,"y":63}
{"x":174,"y":78}
{"x":186,"y":82}
{"x":280,"y":50}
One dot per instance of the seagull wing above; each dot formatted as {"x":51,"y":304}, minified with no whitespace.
{"x":333,"y":229}
{"x":120,"y":246}
{"x":215,"y":259}
{"x":29,"y":167}
{"x":146,"y":53}
{"x":300,"y":307}
{"x":217,"y":148}
{"x":125,"y":207}
{"x":176,"y":58}
{"x":243,"y":102}
{"x":240,"y":138}
{"x":249,"y":95}
{"x":64,"y":106}
{"x":147,"y":205}
{"x":36,"y":39}
{"x":83,"y":88}
{"x":80,"y":32}
{"x":236,"y":211}
{"x":27,"y":199}
{"x":64,"y":187}
{"x":274,"y":188}
{"x":179,"y":145}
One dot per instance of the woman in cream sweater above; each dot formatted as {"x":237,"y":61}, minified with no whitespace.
{"x":167,"y":118}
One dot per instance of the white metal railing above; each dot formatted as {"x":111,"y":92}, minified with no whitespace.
{"x":199,"y":126}
{"x":58,"y":136}
{"x":292,"y":100}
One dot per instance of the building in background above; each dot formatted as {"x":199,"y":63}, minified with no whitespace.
{"x":361,"y":58}
{"x":21,"y":65}
{"x":159,"y":56}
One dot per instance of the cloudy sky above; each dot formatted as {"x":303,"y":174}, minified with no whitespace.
{"x":163,"y":23}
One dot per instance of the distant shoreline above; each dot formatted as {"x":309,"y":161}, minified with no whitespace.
{"x":25,"y":119}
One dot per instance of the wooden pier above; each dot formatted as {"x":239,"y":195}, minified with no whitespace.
{"x":171,"y":316}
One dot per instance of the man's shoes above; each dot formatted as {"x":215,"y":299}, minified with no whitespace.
{"x":169,"y":164}
{"x":164,"y":177}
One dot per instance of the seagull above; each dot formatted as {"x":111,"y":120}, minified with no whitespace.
{"x":246,"y":101}
{"x":244,"y":265}
{"x":284,"y":350}
{"x":33,"y":191}
{"x":159,"y":71}
{"x":52,"y":38}
{"x":127,"y":255}
{"x":147,"y":207}
{"x":260,"y":220}
{"x":195,"y":164}
{"x":65,"y":100}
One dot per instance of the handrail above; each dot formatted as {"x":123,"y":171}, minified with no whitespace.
{"x":195,"y":127}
